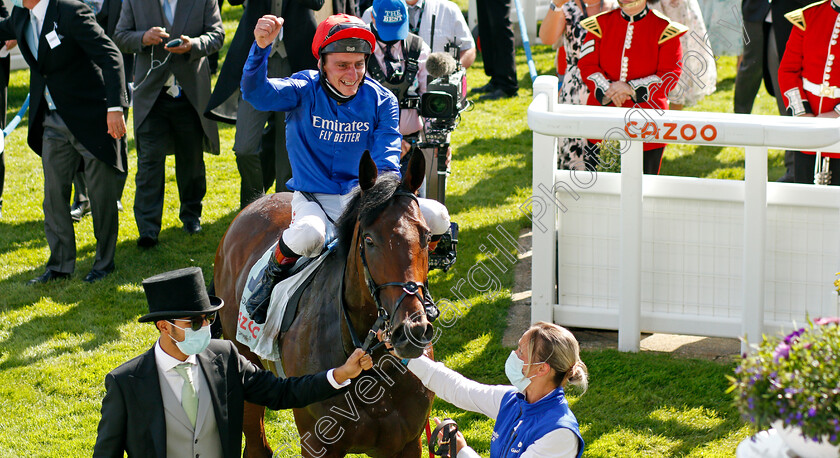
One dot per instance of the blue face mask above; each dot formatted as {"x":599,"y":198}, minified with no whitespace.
{"x":17,"y":3}
{"x":194,"y":341}
{"x":513,"y":370}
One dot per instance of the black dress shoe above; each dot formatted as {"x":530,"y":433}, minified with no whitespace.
{"x":147,"y":241}
{"x":483,"y":89}
{"x":48,"y":276}
{"x":497,"y":94}
{"x":95,"y":275}
{"x":79,"y":210}
{"x":192,"y":227}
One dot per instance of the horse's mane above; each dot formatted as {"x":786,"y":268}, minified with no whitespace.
{"x":368,"y":205}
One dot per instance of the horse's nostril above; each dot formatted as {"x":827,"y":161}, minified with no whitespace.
{"x":414,"y":334}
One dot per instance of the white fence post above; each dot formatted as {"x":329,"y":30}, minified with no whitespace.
{"x":543,"y":210}
{"x":629,"y":312}
{"x":693,"y":281}
{"x":755,"y":230}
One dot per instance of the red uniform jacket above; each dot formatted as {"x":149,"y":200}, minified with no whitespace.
{"x":642,"y":51}
{"x":805,"y":73}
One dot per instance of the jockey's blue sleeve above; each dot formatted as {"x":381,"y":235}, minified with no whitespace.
{"x":387,"y":138}
{"x":275,"y":94}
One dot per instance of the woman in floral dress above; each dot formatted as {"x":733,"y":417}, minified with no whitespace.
{"x":563,"y":20}
{"x":698,"y":78}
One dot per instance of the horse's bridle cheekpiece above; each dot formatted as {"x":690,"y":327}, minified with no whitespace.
{"x":409,"y":288}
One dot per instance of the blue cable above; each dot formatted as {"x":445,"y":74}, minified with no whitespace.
{"x":16,"y":120}
{"x":523,"y":30}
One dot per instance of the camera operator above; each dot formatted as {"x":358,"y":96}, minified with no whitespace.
{"x":439,"y":23}
{"x":399,"y":64}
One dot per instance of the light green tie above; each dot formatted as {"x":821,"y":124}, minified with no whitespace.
{"x":189,"y":401}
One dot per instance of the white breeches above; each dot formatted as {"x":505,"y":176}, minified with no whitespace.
{"x":308,"y":230}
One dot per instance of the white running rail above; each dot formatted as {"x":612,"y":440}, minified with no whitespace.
{"x":674,"y":254}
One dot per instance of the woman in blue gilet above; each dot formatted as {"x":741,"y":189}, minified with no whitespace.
{"x":533,"y":418}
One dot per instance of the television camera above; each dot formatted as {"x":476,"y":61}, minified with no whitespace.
{"x":441,"y":105}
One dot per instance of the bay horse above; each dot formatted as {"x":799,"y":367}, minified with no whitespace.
{"x":379,"y":264}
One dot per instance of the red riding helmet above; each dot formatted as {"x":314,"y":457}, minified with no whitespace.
{"x":343,"y":33}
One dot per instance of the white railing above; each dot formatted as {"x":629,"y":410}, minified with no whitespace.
{"x":689,"y":255}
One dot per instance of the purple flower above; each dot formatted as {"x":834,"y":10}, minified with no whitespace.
{"x":812,"y":412}
{"x":782,"y":351}
{"x":793,"y":335}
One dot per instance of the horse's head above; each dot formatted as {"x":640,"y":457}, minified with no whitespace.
{"x":390,"y":242}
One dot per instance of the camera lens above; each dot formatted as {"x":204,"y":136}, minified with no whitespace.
{"x":439,"y":105}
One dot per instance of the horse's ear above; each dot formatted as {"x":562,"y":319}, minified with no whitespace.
{"x":367,"y":171}
{"x":415,"y":173}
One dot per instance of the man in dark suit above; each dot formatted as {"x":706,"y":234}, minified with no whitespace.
{"x":753,"y":67}
{"x":76,"y":114}
{"x":497,"y":49}
{"x":289,"y":54}
{"x":4,"y":85}
{"x":168,"y":99}
{"x":107,"y":14}
{"x":185,"y":396}
{"x":767,"y":32}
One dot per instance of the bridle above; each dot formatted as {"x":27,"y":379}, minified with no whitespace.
{"x":383,"y":320}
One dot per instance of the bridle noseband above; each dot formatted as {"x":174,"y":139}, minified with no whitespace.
{"x":409,"y":288}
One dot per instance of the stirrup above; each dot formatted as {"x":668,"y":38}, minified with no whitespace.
{"x":445,"y":253}
{"x":275,"y":272}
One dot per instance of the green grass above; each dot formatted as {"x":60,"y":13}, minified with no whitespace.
{"x":58,"y":341}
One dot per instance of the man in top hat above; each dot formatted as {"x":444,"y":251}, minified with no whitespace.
{"x":184,"y":397}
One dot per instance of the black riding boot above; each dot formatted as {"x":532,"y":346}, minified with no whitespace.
{"x":275,"y":271}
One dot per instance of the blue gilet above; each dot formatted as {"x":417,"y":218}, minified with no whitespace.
{"x":520,"y":424}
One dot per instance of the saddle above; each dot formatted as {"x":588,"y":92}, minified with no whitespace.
{"x":261,"y":338}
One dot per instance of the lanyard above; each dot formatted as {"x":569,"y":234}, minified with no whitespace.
{"x":416,"y":29}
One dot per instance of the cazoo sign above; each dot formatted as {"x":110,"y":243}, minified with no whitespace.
{"x":669,"y":131}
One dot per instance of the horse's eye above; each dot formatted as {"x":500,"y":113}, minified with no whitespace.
{"x":368,"y":240}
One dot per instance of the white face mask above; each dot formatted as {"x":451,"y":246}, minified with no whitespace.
{"x":513,"y":370}
{"x":194,"y":341}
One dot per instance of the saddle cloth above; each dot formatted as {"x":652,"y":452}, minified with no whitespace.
{"x":262,"y":338}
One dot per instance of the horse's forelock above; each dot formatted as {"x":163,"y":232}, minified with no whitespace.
{"x":369,"y":205}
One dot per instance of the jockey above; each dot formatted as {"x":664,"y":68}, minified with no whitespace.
{"x":332,"y":116}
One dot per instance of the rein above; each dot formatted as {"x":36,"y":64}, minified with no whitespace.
{"x":383,"y":320}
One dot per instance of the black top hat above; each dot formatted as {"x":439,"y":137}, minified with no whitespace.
{"x":178,"y":294}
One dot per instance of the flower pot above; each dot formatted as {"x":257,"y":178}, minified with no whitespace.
{"x":803,"y":446}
